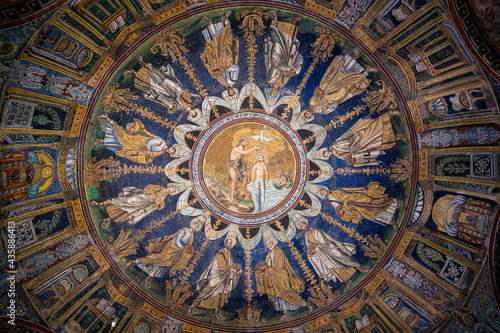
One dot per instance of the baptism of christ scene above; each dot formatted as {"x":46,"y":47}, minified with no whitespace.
{"x":249,"y":168}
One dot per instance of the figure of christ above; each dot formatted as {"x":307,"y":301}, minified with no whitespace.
{"x":276,"y":278}
{"x":217,"y":281}
{"x":331,"y":259}
{"x":260,"y":177}
{"x":237,"y":169}
{"x":172,"y":251}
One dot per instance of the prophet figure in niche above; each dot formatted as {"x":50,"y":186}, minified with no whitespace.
{"x":172,"y":251}
{"x":344,"y":79}
{"x":276,"y":278}
{"x":369,"y":202}
{"x":217,"y":281}
{"x":220,"y":56}
{"x":331,"y":259}
{"x":366,"y":139}
{"x":162,"y":86}
{"x":132,"y":142}
{"x":281,"y":53}
{"x":133,"y":204}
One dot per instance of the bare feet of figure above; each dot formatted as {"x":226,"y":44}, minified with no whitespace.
{"x":309,"y":307}
{"x":105,"y":117}
{"x":285,"y":316}
{"x":216,"y":315}
{"x":147,"y":283}
{"x":104,"y":222}
{"x":394,"y":112}
{"x":140,"y":59}
{"x":130,"y":72}
{"x":348,"y":286}
{"x":190,"y":310}
{"x":128,"y":264}
{"x":363,"y":269}
{"x":296,"y":19}
{"x":356,"y":54}
{"x":394,"y":225}
{"x":401,"y":137}
{"x":207,"y":19}
{"x":273,"y":14}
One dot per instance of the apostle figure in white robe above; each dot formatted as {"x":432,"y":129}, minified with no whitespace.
{"x":281,"y":53}
{"x":133,"y":204}
{"x":217,"y":281}
{"x":162,"y":86}
{"x":331,"y":259}
{"x":365,"y":140}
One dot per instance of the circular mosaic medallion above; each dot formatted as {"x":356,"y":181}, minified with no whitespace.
{"x":234,"y":160}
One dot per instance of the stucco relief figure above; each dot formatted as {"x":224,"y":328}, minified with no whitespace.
{"x":220,"y":56}
{"x":366,"y":139}
{"x":217,"y":281}
{"x":238,"y":170}
{"x":276,"y":278}
{"x":281,"y":53}
{"x":172,"y":251}
{"x":331,"y":259}
{"x":162,"y":86}
{"x":132,"y":142}
{"x":369,"y":202}
{"x":133,"y":204}
{"x":344,"y":79}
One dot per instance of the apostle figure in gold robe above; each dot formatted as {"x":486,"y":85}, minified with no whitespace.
{"x":281,"y":53}
{"x":162,"y":86}
{"x":172,"y":251}
{"x":132,"y":142}
{"x":217,"y":281}
{"x":331,"y":259}
{"x":220,"y":56}
{"x":133,"y":204}
{"x":369,"y":202}
{"x":344,"y":79}
{"x":366,"y":139}
{"x":276,"y":278}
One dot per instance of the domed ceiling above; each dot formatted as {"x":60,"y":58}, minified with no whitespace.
{"x":207,"y":166}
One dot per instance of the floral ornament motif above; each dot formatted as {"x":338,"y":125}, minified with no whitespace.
{"x":118,"y":99}
{"x":252,"y":21}
{"x":171,"y":43}
{"x":381,"y":99}
{"x":324,"y":45}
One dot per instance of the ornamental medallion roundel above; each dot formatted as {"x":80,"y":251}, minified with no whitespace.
{"x":247,"y":167}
